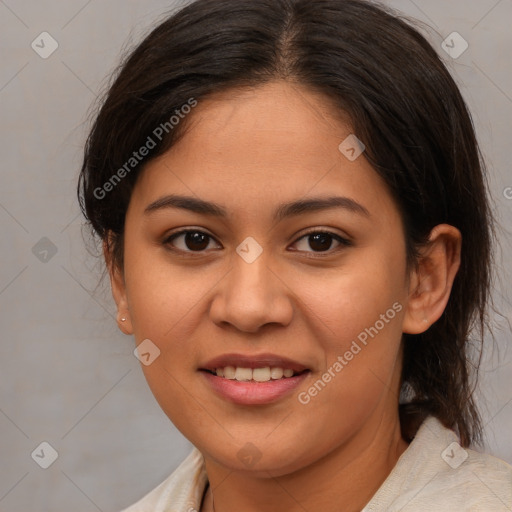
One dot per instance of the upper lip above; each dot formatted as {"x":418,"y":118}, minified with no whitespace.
{"x":253,"y":361}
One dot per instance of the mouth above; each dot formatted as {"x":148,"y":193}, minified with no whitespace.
{"x":258,"y":368}
{"x":252,"y":380}
{"x":264,"y":374}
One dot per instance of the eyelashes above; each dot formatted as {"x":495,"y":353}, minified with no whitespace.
{"x":195,"y":242}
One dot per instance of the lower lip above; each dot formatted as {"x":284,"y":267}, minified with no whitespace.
{"x":254,"y":393}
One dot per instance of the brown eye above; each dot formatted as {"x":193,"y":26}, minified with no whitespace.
{"x":321,"y":241}
{"x":191,"y":241}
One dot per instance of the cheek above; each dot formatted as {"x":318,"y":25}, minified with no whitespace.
{"x":164,"y":306}
{"x":360,"y":309}
{"x":163,"y":296}
{"x":352,"y":298}
{"x":361,"y":349}
{"x":164,"y":302}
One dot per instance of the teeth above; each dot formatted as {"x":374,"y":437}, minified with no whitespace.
{"x":257,"y":374}
{"x":243,"y":374}
{"x":229,"y":372}
{"x":261,"y":374}
{"x":276,"y":373}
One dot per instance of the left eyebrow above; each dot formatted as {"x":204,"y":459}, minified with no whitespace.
{"x":283,"y":211}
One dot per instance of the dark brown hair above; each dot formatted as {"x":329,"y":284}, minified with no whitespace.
{"x":404,"y":106}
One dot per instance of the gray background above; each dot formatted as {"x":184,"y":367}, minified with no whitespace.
{"x":68,"y":376}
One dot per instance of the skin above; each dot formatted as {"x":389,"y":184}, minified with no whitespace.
{"x":251,"y":150}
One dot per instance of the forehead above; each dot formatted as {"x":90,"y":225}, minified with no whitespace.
{"x":289,"y":102}
{"x":257,"y":146}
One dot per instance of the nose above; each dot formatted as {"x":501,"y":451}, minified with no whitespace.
{"x":252,"y":295}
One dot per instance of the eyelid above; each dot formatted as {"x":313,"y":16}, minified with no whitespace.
{"x":344,"y":241}
{"x":325,"y":230}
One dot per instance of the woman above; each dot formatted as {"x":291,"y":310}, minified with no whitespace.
{"x":294,"y":217}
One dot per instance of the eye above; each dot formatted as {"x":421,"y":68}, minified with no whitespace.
{"x":195,"y":241}
{"x":321,"y":241}
{"x":191,"y":240}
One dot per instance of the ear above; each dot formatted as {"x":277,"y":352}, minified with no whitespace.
{"x":118,"y":287}
{"x":431,"y":282}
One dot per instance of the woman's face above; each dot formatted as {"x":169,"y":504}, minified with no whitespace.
{"x":253,"y":288}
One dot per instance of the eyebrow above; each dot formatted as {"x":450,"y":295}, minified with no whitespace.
{"x":294,"y":208}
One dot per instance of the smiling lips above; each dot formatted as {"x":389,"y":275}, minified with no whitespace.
{"x":257,"y":374}
{"x":252,"y":380}
{"x":259,"y":368}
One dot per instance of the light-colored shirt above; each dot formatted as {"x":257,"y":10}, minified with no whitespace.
{"x":433,"y":474}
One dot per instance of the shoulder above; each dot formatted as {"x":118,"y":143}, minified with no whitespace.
{"x":183,"y":489}
{"x":473,"y":480}
{"x":436,"y":473}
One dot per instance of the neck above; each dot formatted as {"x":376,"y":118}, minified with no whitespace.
{"x":345,"y":479}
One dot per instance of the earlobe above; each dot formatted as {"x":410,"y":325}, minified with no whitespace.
{"x":118,"y":288}
{"x":432,"y":280}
